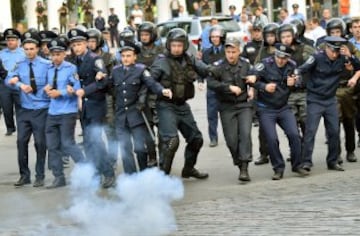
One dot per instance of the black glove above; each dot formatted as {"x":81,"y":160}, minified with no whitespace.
{"x":140,"y":106}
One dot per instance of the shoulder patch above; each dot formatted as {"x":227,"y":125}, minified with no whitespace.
{"x":310,"y":60}
{"x":259,"y":67}
{"x":76,"y":76}
{"x":146,"y":73}
{"x":99,"y":63}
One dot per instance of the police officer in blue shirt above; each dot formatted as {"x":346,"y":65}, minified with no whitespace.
{"x":325,"y":69}
{"x":10,"y":98}
{"x":61,"y":120}
{"x":93,"y":77}
{"x":130,"y":81}
{"x":275,"y":78}
{"x":29,"y":76}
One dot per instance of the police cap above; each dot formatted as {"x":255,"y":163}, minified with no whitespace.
{"x":77,"y":35}
{"x":57,"y":45}
{"x":31,"y":37}
{"x":295,"y":5}
{"x":232,"y":7}
{"x":129,"y":46}
{"x":232,"y":42}
{"x":334,"y":42}
{"x":12,"y":33}
{"x":47,"y":35}
{"x":282,"y":50}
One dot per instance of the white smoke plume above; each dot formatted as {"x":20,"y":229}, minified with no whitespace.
{"x":139,"y":205}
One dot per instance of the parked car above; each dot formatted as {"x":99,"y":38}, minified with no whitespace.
{"x":195,"y":25}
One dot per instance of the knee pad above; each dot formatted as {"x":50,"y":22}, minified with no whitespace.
{"x":196,"y":144}
{"x":173,"y":144}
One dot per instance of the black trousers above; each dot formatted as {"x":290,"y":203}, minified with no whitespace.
{"x":31,"y":122}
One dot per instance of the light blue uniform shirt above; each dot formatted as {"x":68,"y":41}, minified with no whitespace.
{"x":11,"y":57}
{"x":66,"y":75}
{"x":40,"y":66}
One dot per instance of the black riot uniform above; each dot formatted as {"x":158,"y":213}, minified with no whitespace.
{"x":93,"y":108}
{"x":252,"y":48}
{"x":178,"y":72}
{"x":148,"y":53}
{"x":236,"y":111}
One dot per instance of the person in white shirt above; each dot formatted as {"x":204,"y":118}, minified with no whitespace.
{"x":316,"y":31}
{"x":245,"y":27}
{"x":183,"y":12}
{"x":138,"y":15}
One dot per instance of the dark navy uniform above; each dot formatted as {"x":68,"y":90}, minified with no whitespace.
{"x":61,"y":121}
{"x":113,"y":21}
{"x":32,"y":116}
{"x":273,"y":109}
{"x":235,"y":111}
{"x":210,"y":56}
{"x":251,"y":50}
{"x":94,"y":111}
{"x":130,"y":92}
{"x":321,"y":100}
{"x":9,"y":98}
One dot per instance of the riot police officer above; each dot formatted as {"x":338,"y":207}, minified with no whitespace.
{"x":252,"y":48}
{"x":236,"y":108}
{"x":92,"y":76}
{"x":287,"y":35}
{"x":275,"y":77}
{"x":29,"y":76}
{"x":300,"y":31}
{"x":130,"y":80}
{"x":217,"y":36}
{"x":266,"y":50}
{"x":63,"y":109}
{"x":9,"y":97}
{"x":326,"y":68}
{"x":147,"y":36}
{"x":177,"y":71}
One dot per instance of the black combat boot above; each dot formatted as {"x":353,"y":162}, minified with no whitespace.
{"x":263,"y":159}
{"x":190,"y":171}
{"x":244,"y":174}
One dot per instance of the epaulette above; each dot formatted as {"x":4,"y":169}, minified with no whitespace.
{"x":218,"y":62}
{"x":117,"y":66}
{"x":45,"y":61}
{"x":93,"y":55}
{"x":269,"y":60}
{"x":140,"y":66}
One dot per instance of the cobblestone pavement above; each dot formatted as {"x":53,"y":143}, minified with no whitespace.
{"x":325,"y":203}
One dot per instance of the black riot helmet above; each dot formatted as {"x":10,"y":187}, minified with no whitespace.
{"x":287,"y":28}
{"x":179,"y":35}
{"x":271,"y":28}
{"x":348,"y":23}
{"x":149,"y":27}
{"x":127,"y":35}
{"x":300,"y":27}
{"x":335,"y":23}
{"x":96,"y":34}
{"x":221,"y":30}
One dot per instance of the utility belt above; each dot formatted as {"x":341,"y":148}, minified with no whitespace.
{"x":178,"y":102}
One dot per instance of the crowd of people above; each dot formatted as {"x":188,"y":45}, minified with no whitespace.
{"x":140,"y":93}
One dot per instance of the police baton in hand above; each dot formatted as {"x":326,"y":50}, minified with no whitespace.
{"x":148,"y":126}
